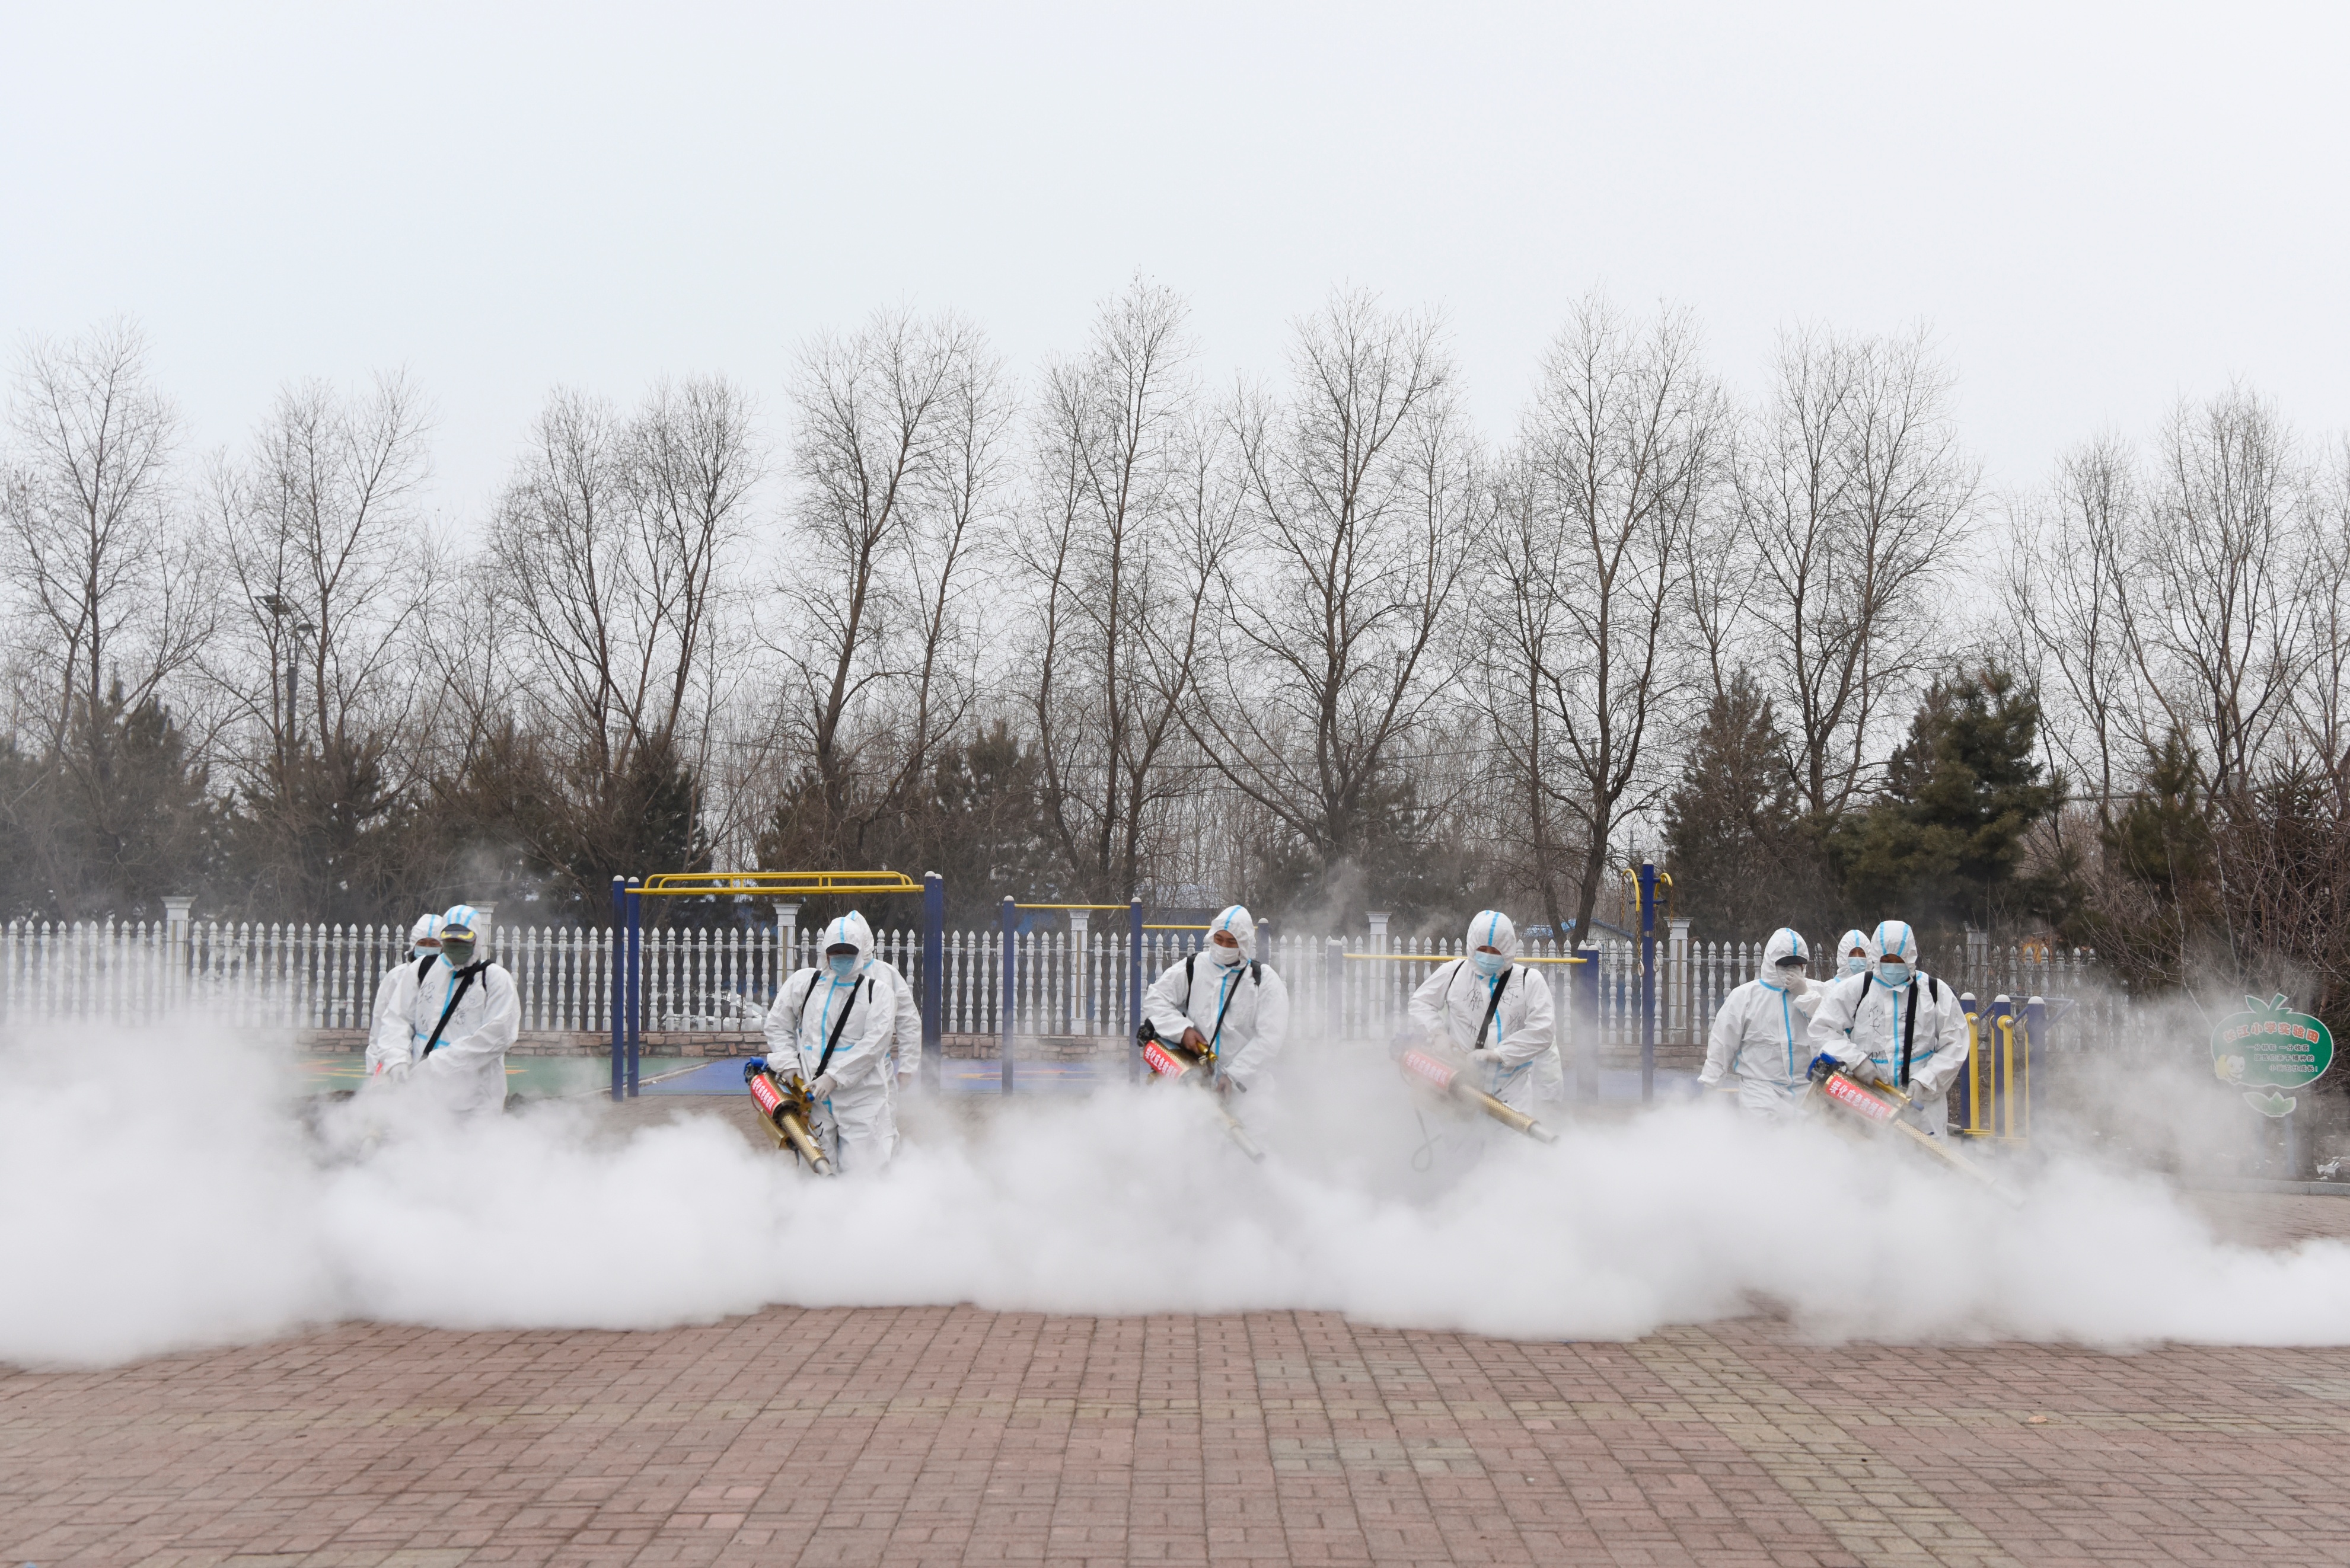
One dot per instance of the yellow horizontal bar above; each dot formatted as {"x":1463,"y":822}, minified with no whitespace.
{"x":686,"y":883}
{"x":1448,"y":958}
{"x":1175,"y":928}
{"x":1073,"y":906}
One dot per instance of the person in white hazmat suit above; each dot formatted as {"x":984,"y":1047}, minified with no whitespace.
{"x":464,"y":1015}
{"x":1893,"y":1024}
{"x":1498,"y":1012}
{"x":1222,"y":1002}
{"x":389,"y":1050}
{"x":1762,"y":1033}
{"x":836,"y":1025}
{"x":1852,"y":952}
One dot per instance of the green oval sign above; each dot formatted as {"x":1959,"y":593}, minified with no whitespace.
{"x":2269,"y":1046}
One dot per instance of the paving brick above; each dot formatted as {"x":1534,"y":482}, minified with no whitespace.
{"x":952,"y":1436}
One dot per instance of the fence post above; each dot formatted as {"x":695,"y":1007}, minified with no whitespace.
{"x":619,"y":986}
{"x":934,"y":973}
{"x":1587,"y":1034}
{"x":175,"y":949}
{"x":635,"y":982}
{"x":1333,"y":980}
{"x":1679,"y":1012}
{"x":1134,"y":991}
{"x":1011,"y":962}
{"x":1648,"y":982}
{"x":1375,"y":1012}
{"x":788,"y":915}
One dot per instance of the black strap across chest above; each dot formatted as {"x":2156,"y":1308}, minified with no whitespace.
{"x":839,"y":1024}
{"x":1493,"y":1006}
{"x":464,"y":984}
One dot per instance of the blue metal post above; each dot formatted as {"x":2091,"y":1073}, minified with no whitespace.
{"x":1587,"y":1034}
{"x":619,"y":985}
{"x":1648,"y":982}
{"x":2035,"y":1029}
{"x":1011,"y":962}
{"x":934,"y":973}
{"x":1134,"y":991}
{"x":1998,"y":1041}
{"x":635,"y":982}
{"x":1962,"y":1089}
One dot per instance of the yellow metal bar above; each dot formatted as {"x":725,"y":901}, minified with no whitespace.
{"x":691,"y":884}
{"x":2019,"y":1080}
{"x":1092,"y":907}
{"x":1445,"y":957}
{"x":2005,"y":1121}
{"x":1157,"y":927}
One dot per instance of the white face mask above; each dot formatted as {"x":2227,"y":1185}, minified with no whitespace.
{"x":1489,"y":964}
{"x":1227,"y":956}
{"x":842,"y":965}
{"x":1892,"y":971}
{"x":1855,"y":962}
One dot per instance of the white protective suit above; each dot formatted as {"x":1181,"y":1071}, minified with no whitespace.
{"x":1863,"y":1023}
{"x":906,"y":1045}
{"x":389,"y":1048}
{"x":1762,"y":1033}
{"x":1240,"y":1008}
{"x":467,"y":1068}
{"x":857,"y":1121}
{"x":1504,"y":1021}
{"x":1852,"y":952}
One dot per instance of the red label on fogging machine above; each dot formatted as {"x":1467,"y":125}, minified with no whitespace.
{"x":1846,"y":1092}
{"x":766,"y":1094}
{"x":1161,"y":1061}
{"x":1429,"y":1068}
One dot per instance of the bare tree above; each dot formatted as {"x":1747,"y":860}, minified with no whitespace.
{"x":1854,"y":494}
{"x":1362,"y":496}
{"x":326,"y":561}
{"x":897,"y":455}
{"x":109,"y":591}
{"x":612,"y":565}
{"x":1130,"y":506}
{"x":1617,"y":466}
{"x":2067,"y":589}
{"x":2217,"y":615}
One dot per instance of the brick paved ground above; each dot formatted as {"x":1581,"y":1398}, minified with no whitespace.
{"x":937,"y":1436}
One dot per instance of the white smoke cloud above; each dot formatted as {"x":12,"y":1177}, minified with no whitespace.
{"x":146,"y":1209}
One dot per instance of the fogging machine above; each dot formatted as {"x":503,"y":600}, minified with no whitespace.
{"x":787,"y":1111}
{"x":1881,"y":1105}
{"x":1447,"y":1080}
{"x":1174,"y":1062}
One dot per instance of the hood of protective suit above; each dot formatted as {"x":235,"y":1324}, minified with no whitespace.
{"x":1240,"y":923}
{"x":850,"y":929}
{"x":1784,"y":943}
{"x":465,"y":918}
{"x":1846,"y":943}
{"x":1894,"y":939}
{"x":425,"y":926}
{"x":1491,"y":929}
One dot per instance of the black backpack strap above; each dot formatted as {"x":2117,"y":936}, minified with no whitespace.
{"x":1216,"y":1035}
{"x":1493,"y":1007}
{"x":841,"y":1023}
{"x":423,"y":964}
{"x":1910,"y":1031}
{"x":464,"y":984}
{"x":1256,"y":972}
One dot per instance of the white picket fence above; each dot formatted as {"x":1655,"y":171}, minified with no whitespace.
{"x":323,"y":977}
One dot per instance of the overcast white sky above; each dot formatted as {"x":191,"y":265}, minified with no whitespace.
{"x":2096,"y":207}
